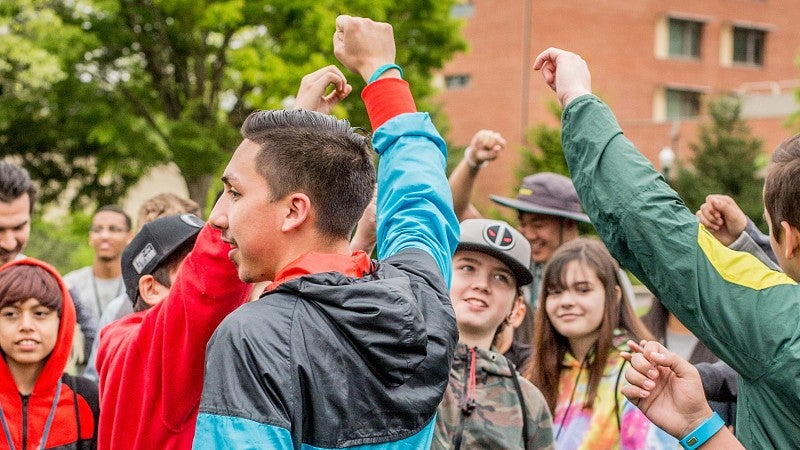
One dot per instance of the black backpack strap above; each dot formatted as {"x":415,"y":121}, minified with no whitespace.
{"x":86,"y":389}
{"x":74,"y":388}
{"x":521,"y":403}
{"x":616,"y":400}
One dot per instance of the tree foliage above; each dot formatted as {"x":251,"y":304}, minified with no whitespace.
{"x":118,"y":86}
{"x":547,"y":155}
{"x":63,"y":244}
{"x":726,"y":161}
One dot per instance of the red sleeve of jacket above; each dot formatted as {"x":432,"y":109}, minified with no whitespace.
{"x":157,"y":368}
{"x":387,"y":98}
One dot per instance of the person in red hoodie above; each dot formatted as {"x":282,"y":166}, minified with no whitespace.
{"x":177,"y":273}
{"x":40,"y":406}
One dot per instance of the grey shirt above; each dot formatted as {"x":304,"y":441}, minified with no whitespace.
{"x":95,"y":293}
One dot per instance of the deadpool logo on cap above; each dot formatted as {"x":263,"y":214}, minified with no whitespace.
{"x":499,"y":236}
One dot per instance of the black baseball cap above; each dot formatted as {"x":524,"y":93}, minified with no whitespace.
{"x":154,"y":243}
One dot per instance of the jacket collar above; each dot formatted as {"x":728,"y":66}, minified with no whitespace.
{"x":356,"y":265}
{"x":489,"y":361}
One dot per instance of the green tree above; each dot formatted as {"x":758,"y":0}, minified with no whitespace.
{"x":547,"y":155}
{"x":72,"y":134}
{"x":63,"y":243}
{"x":726,"y":161}
{"x":143,"y":82}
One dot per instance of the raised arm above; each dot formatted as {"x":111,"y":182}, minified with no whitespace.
{"x":311,"y":94}
{"x":414,"y":207}
{"x":569,"y":84}
{"x":485,"y":146}
{"x":649,"y":230}
{"x":207,"y":289}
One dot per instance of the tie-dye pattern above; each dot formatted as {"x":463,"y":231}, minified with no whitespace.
{"x":597,"y":428}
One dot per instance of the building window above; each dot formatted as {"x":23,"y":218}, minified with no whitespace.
{"x":462,"y":9}
{"x":682,"y":104}
{"x":457,"y":81}
{"x":684,"y":38}
{"x":748,"y":46}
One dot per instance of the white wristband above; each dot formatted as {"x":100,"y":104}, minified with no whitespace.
{"x":470,"y":162}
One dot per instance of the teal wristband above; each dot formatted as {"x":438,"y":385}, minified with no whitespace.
{"x":379,"y":71}
{"x":703,"y":433}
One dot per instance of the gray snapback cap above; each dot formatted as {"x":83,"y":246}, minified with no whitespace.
{"x":498,"y":239}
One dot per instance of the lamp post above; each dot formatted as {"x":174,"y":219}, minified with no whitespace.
{"x":666,"y":157}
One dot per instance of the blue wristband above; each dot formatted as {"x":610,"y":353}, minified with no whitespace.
{"x":703,"y":433}
{"x":379,"y":71}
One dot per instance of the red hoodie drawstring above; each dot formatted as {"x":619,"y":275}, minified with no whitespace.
{"x":472,"y":388}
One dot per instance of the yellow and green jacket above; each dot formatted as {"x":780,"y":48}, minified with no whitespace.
{"x":745,"y":313}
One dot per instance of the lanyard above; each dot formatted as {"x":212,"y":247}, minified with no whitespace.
{"x":47,"y":424}
{"x":97,"y":299}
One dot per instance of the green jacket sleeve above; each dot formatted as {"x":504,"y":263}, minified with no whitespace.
{"x":729,"y":300}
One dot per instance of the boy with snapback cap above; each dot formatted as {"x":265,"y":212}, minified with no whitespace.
{"x":182,"y":284}
{"x":488,"y":404}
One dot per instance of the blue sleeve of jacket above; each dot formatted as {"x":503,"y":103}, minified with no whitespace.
{"x":415,"y":205}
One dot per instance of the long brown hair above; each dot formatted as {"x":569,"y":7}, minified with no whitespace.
{"x":550,"y":346}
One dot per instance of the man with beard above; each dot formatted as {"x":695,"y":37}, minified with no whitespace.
{"x":17,"y":197}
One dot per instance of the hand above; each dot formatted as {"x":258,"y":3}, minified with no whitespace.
{"x":311,"y":94}
{"x":565,"y":72}
{"x":363,"y":45}
{"x":366,"y":235}
{"x":722,"y":217}
{"x":666,"y":388}
{"x":486,"y":146}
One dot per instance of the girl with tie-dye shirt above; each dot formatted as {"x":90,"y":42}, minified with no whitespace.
{"x":581,"y":326}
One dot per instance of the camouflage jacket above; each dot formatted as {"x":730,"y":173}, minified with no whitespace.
{"x":489,"y":415}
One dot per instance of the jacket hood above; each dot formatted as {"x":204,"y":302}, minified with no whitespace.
{"x":57,"y":361}
{"x":377,"y":315}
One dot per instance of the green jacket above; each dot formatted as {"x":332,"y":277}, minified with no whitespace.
{"x":494,"y":420}
{"x":746,"y":314}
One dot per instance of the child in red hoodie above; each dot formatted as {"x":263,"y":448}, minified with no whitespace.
{"x":41,"y":406}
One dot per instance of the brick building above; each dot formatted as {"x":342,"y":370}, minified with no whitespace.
{"x":654,"y":62}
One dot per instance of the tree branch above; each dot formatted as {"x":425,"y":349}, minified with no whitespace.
{"x":232,"y":119}
{"x":219,"y":69}
{"x":173,"y":56}
{"x":142,"y":109}
{"x":200,"y":66}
